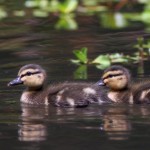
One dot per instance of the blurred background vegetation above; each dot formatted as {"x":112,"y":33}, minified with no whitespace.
{"x":17,"y":18}
{"x":65,"y":13}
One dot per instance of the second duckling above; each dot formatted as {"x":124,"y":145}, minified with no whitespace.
{"x":65,"y":94}
{"x":120,"y":88}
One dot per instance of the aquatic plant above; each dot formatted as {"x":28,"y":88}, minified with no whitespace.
{"x":81,"y":56}
{"x":143,"y":47}
{"x":105,"y":60}
{"x":65,"y":12}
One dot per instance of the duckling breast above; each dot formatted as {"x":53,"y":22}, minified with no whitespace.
{"x":121,"y":96}
{"x":34,"y":97}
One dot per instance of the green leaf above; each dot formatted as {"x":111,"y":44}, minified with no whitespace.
{"x":31,"y":3}
{"x":134,"y":58}
{"x":145,"y":17}
{"x":102,"y":67}
{"x":68,"y":6}
{"x":53,"y":6}
{"x":120,"y":60}
{"x":40,"y":13}
{"x":81,"y":55}
{"x":75,"y":61}
{"x":115,"y":56}
{"x":103,"y":60}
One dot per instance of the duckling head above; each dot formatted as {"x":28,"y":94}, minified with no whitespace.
{"x":31,"y":75}
{"x":116,"y":78}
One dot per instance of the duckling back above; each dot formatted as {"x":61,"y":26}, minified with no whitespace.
{"x":75,"y":94}
{"x":67,"y":94}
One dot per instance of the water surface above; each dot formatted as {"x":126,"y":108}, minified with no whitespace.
{"x":24,"y":41}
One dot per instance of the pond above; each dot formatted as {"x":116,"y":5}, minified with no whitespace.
{"x":34,"y":40}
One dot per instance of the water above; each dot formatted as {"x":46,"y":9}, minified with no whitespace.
{"x":98,"y":127}
{"x":24,"y":41}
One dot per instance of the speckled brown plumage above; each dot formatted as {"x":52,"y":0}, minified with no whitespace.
{"x":121,"y":89}
{"x":66,"y":94}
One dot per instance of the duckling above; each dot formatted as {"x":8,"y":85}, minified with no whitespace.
{"x":66,"y":94}
{"x":120,"y":88}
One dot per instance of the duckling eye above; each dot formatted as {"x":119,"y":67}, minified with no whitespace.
{"x":28,"y":73}
{"x":110,"y":76}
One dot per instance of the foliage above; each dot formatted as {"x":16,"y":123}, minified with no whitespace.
{"x":64,"y":9}
{"x":109,"y":13}
{"x":3,"y":13}
{"x":143,"y":16}
{"x":81,"y":56}
{"x":68,"y":9}
{"x":143,"y":47}
{"x":105,"y":60}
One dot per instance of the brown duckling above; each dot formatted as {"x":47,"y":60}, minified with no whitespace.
{"x":121,"y":89}
{"x":66,"y":94}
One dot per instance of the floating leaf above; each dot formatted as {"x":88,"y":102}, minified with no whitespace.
{"x":115,"y":55}
{"x":121,"y":59}
{"x":75,"y":61}
{"x":102,"y":67}
{"x":103,"y":60}
{"x":81,"y":55}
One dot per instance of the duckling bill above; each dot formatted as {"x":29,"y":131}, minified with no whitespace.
{"x":120,"y":88}
{"x":66,"y":94}
{"x":15,"y":82}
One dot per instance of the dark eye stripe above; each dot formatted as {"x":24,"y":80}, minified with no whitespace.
{"x":30,"y":73}
{"x":113,"y":75}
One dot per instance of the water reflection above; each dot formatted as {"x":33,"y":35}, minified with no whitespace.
{"x":118,"y":121}
{"x":111,"y":122}
{"x":32,"y":127}
{"x":116,"y":124}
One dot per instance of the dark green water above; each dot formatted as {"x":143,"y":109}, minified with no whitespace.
{"x":24,"y":41}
